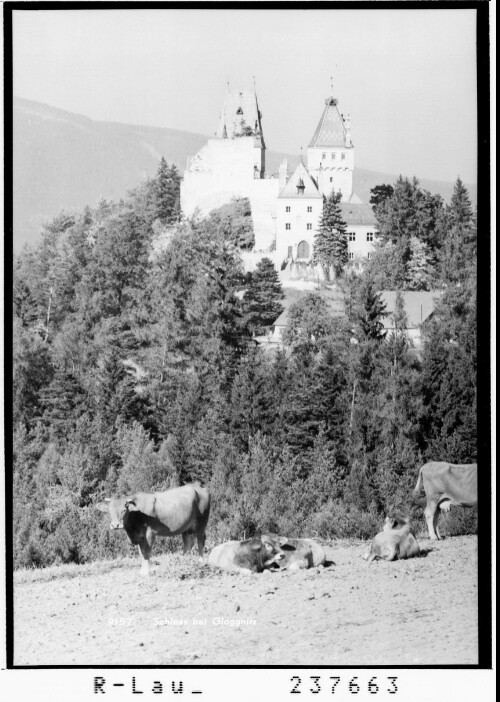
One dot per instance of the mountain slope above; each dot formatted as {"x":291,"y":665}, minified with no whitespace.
{"x":63,"y":160}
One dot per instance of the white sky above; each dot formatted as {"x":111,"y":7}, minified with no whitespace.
{"x":407,"y":77}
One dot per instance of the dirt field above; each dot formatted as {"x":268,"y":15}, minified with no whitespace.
{"x":420,"y":611}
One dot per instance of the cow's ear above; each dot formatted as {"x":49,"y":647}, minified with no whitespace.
{"x":102,"y":506}
{"x":131,"y":506}
{"x":256,"y":543}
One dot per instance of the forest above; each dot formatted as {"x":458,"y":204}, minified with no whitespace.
{"x":136,"y":367}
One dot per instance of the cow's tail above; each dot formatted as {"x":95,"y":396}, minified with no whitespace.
{"x":420,"y":484}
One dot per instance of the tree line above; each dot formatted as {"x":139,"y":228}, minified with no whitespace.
{"x":136,"y":367}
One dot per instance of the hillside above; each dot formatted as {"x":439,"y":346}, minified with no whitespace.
{"x":64,"y":160}
{"x":188,"y":613}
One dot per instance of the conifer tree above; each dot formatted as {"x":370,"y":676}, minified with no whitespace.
{"x":460,"y":208}
{"x":64,"y":402}
{"x":458,"y":254}
{"x":262,"y":297}
{"x":369,"y":313}
{"x":379,"y":194}
{"x":167,"y":192}
{"x":330,"y":241}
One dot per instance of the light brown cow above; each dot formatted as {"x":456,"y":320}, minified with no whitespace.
{"x":183,"y":510}
{"x":300,"y":554}
{"x":396,"y":541}
{"x":249,"y":556}
{"x":446,"y":484}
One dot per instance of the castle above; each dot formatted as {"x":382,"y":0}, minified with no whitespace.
{"x":285,"y":209}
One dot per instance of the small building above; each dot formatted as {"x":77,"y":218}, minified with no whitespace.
{"x":419,"y":307}
{"x":361,"y":229}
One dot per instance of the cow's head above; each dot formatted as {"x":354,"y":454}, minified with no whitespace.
{"x":117,"y":508}
{"x":276,"y":549}
{"x":394,"y":520}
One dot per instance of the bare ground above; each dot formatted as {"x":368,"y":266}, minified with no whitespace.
{"x":416,"y":612}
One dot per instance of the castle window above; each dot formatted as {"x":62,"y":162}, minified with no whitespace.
{"x":303,"y":250}
{"x":300,"y":187}
{"x":369,"y":236}
{"x":333,"y":156}
{"x":289,"y":252}
{"x":343,"y":157}
{"x":288,"y":225}
{"x":352,"y":236}
{"x":323,"y":156}
{"x":351,"y":255}
{"x":239,"y":111}
{"x":309,"y":208}
{"x":287,"y":208}
{"x":309,"y":226}
{"x":331,"y":180}
{"x":369,"y":254}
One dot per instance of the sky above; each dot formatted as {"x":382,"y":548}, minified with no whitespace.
{"x":406,"y":77}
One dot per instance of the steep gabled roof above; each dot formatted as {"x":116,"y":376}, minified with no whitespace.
{"x":331,"y":130}
{"x":240,"y":114}
{"x":310,"y":190}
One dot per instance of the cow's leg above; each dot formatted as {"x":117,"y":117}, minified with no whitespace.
{"x":430,"y":516}
{"x":188,"y":540}
{"x":145,"y":548}
{"x":445,"y":506}
{"x":200,"y":536}
{"x":436,"y":518}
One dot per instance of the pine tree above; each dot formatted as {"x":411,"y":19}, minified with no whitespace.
{"x":369,"y":313}
{"x":330,"y":241}
{"x":458,"y":254}
{"x":460,"y":209}
{"x":262,"y":297}
{"x":379,"y":194}
{"x":167,"y":192}
{"x":64,"y":402}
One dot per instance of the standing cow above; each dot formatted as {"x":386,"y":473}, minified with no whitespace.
{"x":145,"y":515}
{"x":446,"y":484}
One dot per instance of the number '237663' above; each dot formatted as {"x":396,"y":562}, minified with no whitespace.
{"x":315,"y":684}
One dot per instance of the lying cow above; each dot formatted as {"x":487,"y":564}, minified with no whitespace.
{"x":249,"y":556}
{"x":300,"y":554}
{"x":396,"y":541}
{"x":446,"y":484}
{"x":183,"y":510}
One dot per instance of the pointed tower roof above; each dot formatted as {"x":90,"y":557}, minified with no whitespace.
{"x":300,"y":185}
{"x":240,"y":116}
{"x":331,"y":130}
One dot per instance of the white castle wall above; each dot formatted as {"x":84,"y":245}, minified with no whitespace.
{"x":224,"y":169}
{"x":298,"y":217}
{"x":332,"y":168}
{"x":361,"y":246}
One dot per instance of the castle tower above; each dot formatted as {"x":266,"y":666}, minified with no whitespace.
{"x":241,"y":119}
{"x":330,"y":154}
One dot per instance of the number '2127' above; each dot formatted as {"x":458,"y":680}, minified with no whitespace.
{"x":373,"y":686}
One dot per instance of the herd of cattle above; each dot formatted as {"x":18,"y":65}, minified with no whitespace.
{"x":185,"y":510}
